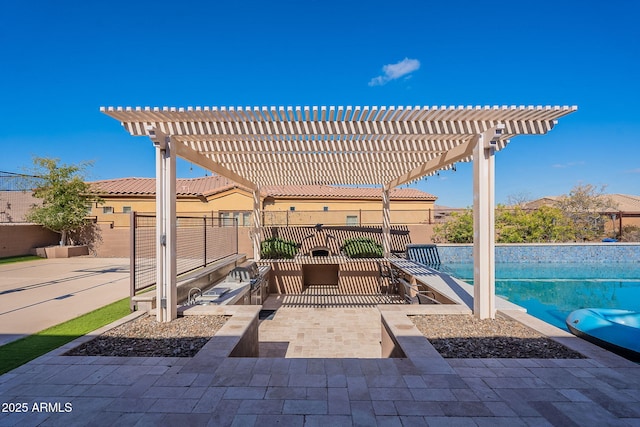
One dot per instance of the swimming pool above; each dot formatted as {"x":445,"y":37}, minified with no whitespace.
{"x":551,"y":291}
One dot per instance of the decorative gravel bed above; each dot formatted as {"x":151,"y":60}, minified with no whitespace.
{"x":465,"y":337}
{"x":144,"y":336}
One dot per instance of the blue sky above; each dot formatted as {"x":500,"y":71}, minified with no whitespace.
{"x":62,"y":60}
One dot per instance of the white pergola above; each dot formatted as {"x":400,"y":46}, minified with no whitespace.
{"x":383,"y":146}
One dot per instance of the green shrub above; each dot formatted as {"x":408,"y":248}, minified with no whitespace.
{"x":278,"y":248}
{"x":362,"y":247}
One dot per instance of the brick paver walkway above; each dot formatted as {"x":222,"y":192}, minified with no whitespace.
{"x":333,"y":391}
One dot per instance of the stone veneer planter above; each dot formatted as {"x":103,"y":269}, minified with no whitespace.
{"x":401,"y":338}
{"x":237,"y":338}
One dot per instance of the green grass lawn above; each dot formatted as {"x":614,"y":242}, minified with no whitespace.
{"x":19,"y":352}
{"x":12,"y":259}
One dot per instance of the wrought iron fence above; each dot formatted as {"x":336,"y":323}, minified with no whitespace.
{"x":16,"y":197}
{"x":200,"y":241}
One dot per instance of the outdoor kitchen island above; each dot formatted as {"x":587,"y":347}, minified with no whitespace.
{"x":246,"y":284}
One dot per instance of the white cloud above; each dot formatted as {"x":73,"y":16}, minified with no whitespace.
{"x":567,"y":165}
{"x":636,"y":170}
{"x":395,"y":71}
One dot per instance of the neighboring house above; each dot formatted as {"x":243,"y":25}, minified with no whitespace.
{"x":625,"y":213}
{"x":281,"y":205}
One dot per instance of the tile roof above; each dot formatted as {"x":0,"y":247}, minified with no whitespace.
{"x":210,"y":185}
{"x":205,"y":186}
{"x":326,"y":191}
{"x":626,"y":202}
{"x":622,"y":202}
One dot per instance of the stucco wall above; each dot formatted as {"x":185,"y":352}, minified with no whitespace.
{"x":275,"y":212}
{"x":22,"y":239}
{"x":115,"y":242}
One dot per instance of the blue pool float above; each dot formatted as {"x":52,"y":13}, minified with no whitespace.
{"x":616,"y":330}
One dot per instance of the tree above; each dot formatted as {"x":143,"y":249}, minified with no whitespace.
{"x":630,"y":233}
{"x":65,"y":195}
{"x":585,"y":206}
{"x":519,"y":199}
{"x":578,"y":216}
{"x":457,"y":229}
{"x":513,"y":225}
{"x":544,"y":225}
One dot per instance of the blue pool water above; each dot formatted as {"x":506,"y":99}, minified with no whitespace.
{"x":551,"y":291}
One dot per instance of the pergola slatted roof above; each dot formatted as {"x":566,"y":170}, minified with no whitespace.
{"x":366,"y":145}
{"x":305,"y":146}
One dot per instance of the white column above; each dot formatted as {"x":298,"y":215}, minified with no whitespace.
{"x":386,"y":223}
{"x":484,"y":227}
{"x":166,"y":291}
{"x":257,"y":224}
{"x":160,"y":288}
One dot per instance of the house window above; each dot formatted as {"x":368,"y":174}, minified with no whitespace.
{"x":292,"y":208}
{"x":352,"y":219}
{"x":243,"y":218}
{"x":325,"y":209}
{"x":126,"y":209}
{"x":107,"y":209}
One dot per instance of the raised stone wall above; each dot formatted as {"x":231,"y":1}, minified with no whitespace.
{"x":547,"y":253}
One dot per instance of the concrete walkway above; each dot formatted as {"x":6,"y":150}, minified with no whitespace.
{"x":35,"y":295}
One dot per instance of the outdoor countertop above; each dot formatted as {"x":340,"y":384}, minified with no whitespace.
{"x":237,"y":290}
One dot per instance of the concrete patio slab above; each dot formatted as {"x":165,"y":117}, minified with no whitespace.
{"x":42,"y":293}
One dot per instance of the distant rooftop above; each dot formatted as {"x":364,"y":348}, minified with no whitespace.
{"x":624,"y":202}
{"x":210,"y":185}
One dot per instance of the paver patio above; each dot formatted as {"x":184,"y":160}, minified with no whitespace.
{"x":319,"y":390}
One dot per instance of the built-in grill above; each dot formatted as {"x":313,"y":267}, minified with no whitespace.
{"x":249,"y":272}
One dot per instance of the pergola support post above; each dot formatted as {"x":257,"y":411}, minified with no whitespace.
{"x":386,"y":223}
{"x":256,"y":235}
{"x":166,"y":290}
{"x":484,"y":225}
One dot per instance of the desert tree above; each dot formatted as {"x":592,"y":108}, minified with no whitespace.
{"x":66,"y":197}
{"x":586,"y":207}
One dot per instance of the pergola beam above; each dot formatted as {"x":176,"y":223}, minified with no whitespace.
{"x":205,"y":162}
{"x":460,"y":153}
